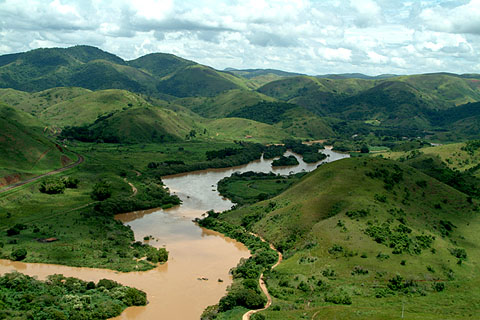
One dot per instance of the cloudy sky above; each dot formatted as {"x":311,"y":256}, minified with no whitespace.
{"x":309,"y":36}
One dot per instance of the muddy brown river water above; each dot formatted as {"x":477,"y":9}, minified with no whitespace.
{"x":174,"y":290}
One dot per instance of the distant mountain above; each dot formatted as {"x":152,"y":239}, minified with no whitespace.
{"x":91,"y":68}
{"x":398,"y":101}
{"x":356,"y":76}
{"x":252,"y":73}
{"x":223,"y":103}
{"x":293,"y":119}
{"x":259,"y":77}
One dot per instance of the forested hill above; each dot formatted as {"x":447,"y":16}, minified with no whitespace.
{"x":91,"y":68}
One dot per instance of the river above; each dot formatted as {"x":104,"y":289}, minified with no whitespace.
{"x":173,"y":289}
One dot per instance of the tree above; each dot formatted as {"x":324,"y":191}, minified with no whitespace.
{"x":19,"y":254}
{"x":101,"y":191}
{"x":364,"y":149}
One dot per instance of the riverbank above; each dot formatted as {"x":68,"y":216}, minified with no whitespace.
{"x":195,"y":253}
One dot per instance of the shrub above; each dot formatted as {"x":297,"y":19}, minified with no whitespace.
{"x":71,"y":183}
{"x":459,"y":253}
{"x":359,"y":270}
{"x":101,"y":191}
{"x":257,"y":316}
{"x":16,"y":229}
{"x":52,"y":186}
{"x":19,"y":254}
{"x":340,"y":297}
{"x":382,"y":256}
{"x":438,"y":286}
{"x":362,"y":213}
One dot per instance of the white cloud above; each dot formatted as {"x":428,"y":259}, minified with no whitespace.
{"x":315,"y":37}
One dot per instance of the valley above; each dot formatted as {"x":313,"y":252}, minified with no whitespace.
{"x":367,"y":186}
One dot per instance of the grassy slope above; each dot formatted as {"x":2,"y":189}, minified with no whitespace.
{"x":309,"y":213}
{"x":451,"y":154}
{"x":88,"y":107}
{"x":451,"y":90}
{"x":224,"y":103}
{"x":303,"y":124}
{"x":140,"y":125}
{"x":24,"y":149}
{"x":198,"y":80}
{"x":238,"y":129}
{"x":38,"y":101}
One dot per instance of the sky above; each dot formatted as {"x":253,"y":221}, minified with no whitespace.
{"x":307,"y":36}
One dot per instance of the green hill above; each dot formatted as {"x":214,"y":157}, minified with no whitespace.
{"x":199,"y":80}
{"x":94,"y":69}
{"x":224,"y":103}
{"x":160,"y":64}
{"x":364,"y":238}
{"x":36,"y":102}
{"x":260,"y":77}
{"x":293,"y":119}
{"x":244,"y":129}
{"x":86,"y":108}
{"x":137,"y":125}
{"x":24,"y":149}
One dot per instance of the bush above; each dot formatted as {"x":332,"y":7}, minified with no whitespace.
{"x":459,"y":253}
{"x":438,"y":286}
{"x":19,"y":254}
{"x":101,"y":191}
{"x":16,"y":229}
{"x":340,"y":297}
{"x":71,"y":183}
{"x":157,"y":255}
{"x":257,"y":316}
{"x":52,"y":186}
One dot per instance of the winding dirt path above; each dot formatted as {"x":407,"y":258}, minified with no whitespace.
{"x":21,"y":183}
{"x":134,"y":189}
{"x":263,"y":286}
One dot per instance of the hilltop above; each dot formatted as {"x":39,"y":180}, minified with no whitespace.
{"x":363,"y":236}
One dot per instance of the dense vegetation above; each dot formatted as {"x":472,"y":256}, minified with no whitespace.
{"x":384,"y":234}
{"x":285,"y":161}
{"x":245,"y":291}
{"x":267,"y":112}
{"x":250,"y":187}
{"x":243,"y":153}
{"x":59,"y":297}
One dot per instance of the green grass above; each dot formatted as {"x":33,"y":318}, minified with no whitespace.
{"x":25,"y":149}
{"x":86,"y":108}
{"x":85,"y":240}
{"x":310,"y":219}
{"x":243,"y":129}
{"x":451,"y":154}
{"x":223,"y":103}
{"x":35,"y":102}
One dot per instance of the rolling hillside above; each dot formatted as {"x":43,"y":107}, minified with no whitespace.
{"x":86,"y":108}
{"x":24,"y":149}
{"x":223,"y":103}
{"x":364,"y":238}
{"x":292,"y":119}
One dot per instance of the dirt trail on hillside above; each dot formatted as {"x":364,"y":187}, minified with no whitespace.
{"x":21,"y":183}
{"x":262,"y":284}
